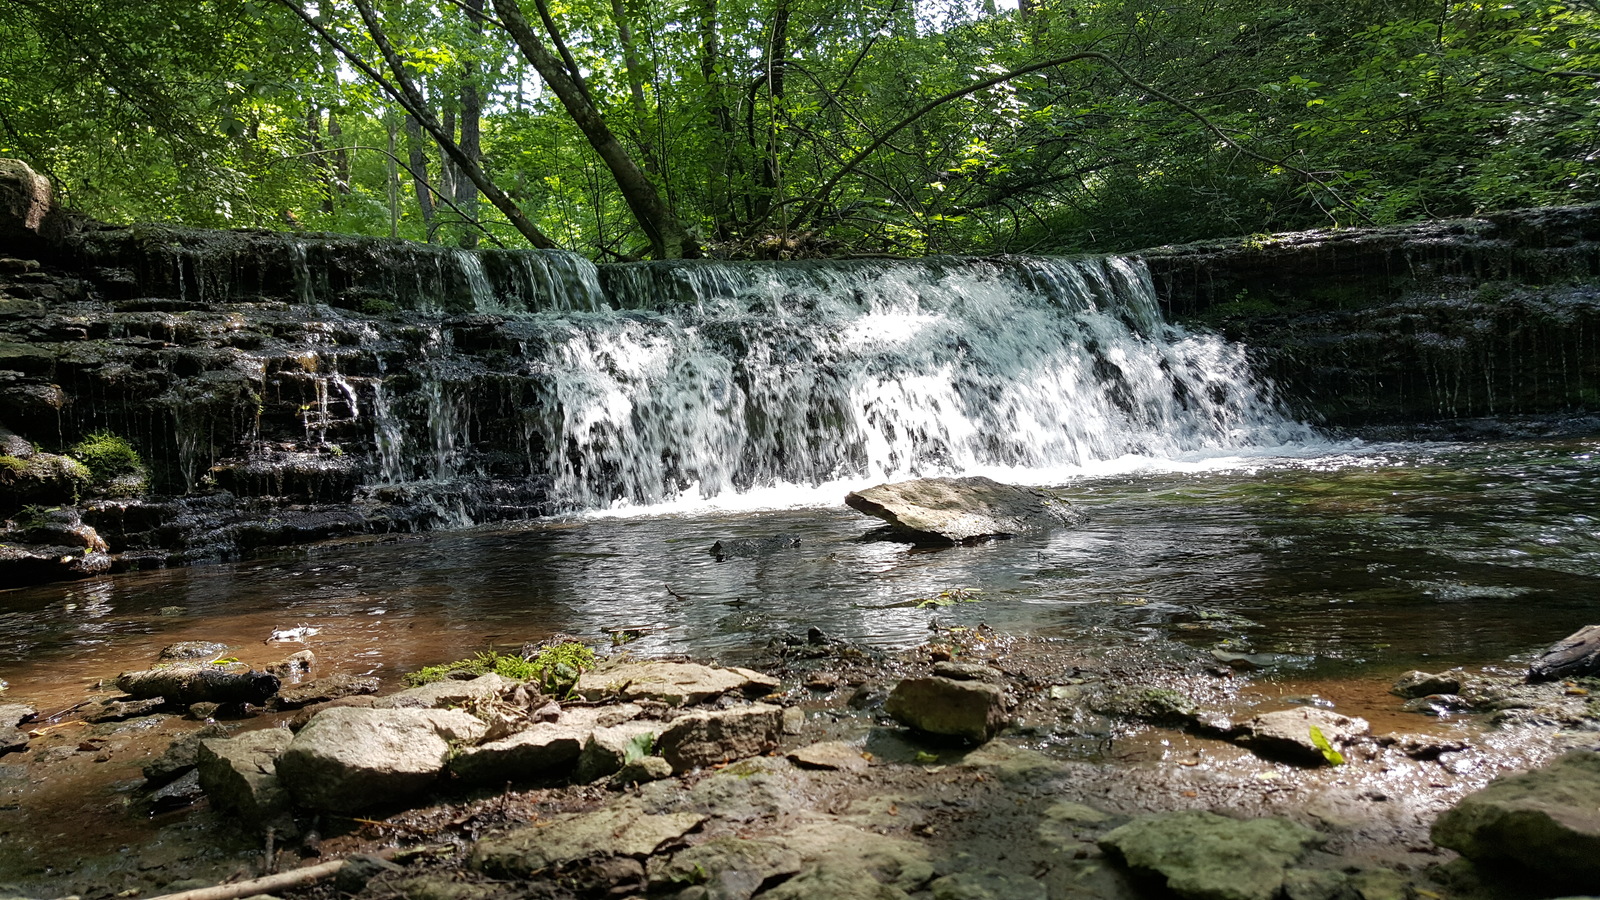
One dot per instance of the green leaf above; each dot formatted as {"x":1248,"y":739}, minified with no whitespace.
{"x":1320,"y":741}
{"x":638,"y":748}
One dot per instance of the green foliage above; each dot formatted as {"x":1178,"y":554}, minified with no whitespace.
{"x":107,"y":456}
{"x":638,"y":748}
{"x":554,"y":669}
{"x":231,"y":113}
{"x":1320,"y":741}
{"x":11,"y":467}
{"x":557,"y":668}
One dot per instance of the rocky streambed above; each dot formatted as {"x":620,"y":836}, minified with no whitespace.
{"x":977,"y":765}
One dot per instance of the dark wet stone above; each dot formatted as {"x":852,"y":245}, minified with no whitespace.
{"x":185,"y":684}
{"x":185,"y":790}
{"x":12,"y":739}
{"x":1573,"y":656}
{"x":1416,"y":684}
{"x":740,"y":548}
{"x":179,"y":756}
{"x":321,"y":690}
{"x":961,"y":510}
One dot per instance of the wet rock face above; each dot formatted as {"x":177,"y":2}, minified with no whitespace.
{"x":1408,"y":324}
{"x":961,"y":510}
{"x":1575,"y":655}
{"x":1546,"y":821}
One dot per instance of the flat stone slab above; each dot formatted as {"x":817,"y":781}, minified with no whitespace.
{"x":448,"y":693}
{"x":1287,"y":733}
{"x":673,"y":683}
{"x":961,"y":510}
{"x":1209,"y":857}
{"x":1547,"y":820}
{"x":621,"y":830}
{"x":835,"y":755}
{"x":321,"y":690}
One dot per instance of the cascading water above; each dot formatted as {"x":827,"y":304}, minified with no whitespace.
{"x":703,"y":379}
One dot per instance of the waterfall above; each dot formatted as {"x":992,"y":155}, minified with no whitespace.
{"x":726,"y":377}
{"x":564,"y":386}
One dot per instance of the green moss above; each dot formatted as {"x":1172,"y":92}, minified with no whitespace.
{"x":556,"y":669}
{"x":11,"y":467}
{"x":107,"y":456}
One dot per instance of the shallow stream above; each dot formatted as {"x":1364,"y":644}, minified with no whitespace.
{"x":1322,"y":561}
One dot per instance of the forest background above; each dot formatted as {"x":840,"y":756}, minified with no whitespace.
{"x":625,"y":129}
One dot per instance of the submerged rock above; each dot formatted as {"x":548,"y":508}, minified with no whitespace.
{"x":1574,"y":655}
{"x":189,"y":650}
{"x":1547,"y":821}
{"x":961,"y":510}
{"x":1414,"y":684}
{"x":741,"y":548}
{"x":350,"y":758}
{"x":1205,"y":856}
{"x":973,"y":710}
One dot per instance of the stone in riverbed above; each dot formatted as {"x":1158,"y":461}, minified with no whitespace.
{"x":609,"y":749}
{"x":191,"y":650}
{"x":624,"y":829}
{"x":186,"y":684}
{"x":1574,"y":655}
{"x":180,"y":755}
{"x":349,"y":758}
{"x":707,"y":738}
{"x":672,"y":683}
{"x":13,"y":714}
{"x":321,"y":690}
{"x":961,"y":510}
{"x":448,"y":693}
{"x":973,"y":710}
{"x":1204,"y":856}
{"x":1286,"y":734}
{"x":239,"y":774}
{"x":1546,"y":820}
{"x":12,"y":739}
{"x":117,"y":710}
{"x":731,"y":868}
{"x":836,"y":755}
{"x":1416,"y":684}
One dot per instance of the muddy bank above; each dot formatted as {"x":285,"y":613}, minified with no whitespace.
{"x":798,"y":779}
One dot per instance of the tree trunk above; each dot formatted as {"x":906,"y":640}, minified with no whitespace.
{"x":417,"y":161}
{"x":466,"y":193}
{"x":777,"y":58}
{"x":668,"y":238}
{"x":719,"y":190}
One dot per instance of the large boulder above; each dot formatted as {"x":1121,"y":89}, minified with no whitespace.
{"x":349,"y":758}
{"x":239,"y":774}
{"x":962,"y":510}
{"x":707,"y":738}
{"x":1547,"y":821}
{"x":1574,"y":655}
{"x":973,"y":710}
{"x":1204,"y":856}
{"x":672,"y":683}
